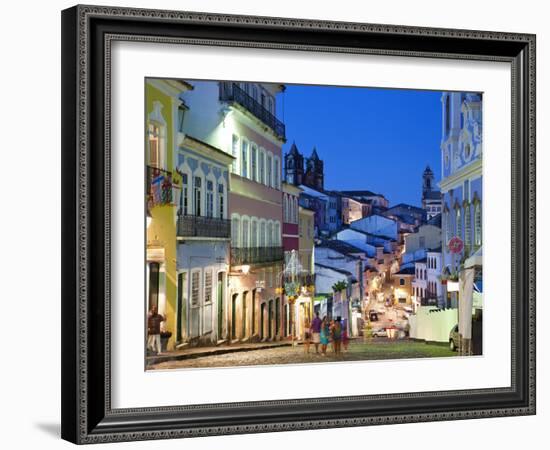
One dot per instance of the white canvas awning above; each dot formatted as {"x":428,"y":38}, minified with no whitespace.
{"x":475,"y":260}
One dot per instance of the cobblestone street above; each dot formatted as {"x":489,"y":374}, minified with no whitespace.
{"x":375,"y":349}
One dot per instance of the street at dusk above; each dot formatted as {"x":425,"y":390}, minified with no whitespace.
{"x":273,"y":227}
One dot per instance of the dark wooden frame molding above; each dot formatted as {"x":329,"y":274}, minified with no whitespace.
{"x":87,"y":33}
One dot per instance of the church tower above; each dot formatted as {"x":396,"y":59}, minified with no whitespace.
{"x":427,"y":181}
{"x":314,"y":176}
{"x":294,"y":166}
{"x":431,"y":196}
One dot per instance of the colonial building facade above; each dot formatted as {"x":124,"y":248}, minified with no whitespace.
{"x":239,"y":118}
{"x":163,"y":188}
{"x":203,"y":236}
{"x":461,"y":183}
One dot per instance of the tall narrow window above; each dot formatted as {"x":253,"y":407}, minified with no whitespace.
{"x":234,"y":152}
{"x":262,"y":234}
{"x":458,"y":223}
{"x":184,"y":199}
{"x":477,"y":225}
{"x":155,"y":157}
{"x":467,"y":226}
{"x":277,"y":234}
{"x":195,"y":288}
{"x":269,"y":170}
{"x":270,"y":106}
{"x":244,"y":159}
{"x":277,"y":173}
{"x":448,"y":227}
{"x":208,"y":286}
{"x":221,"y":201}
{"x":262,"y":167}
{"x":235,"y":231}
{"x":244,"y":241}
{"x":209,"y":199}
{"x":254,"y":233}
{"x":254,"y":163}
{"x":269,"y":235}
{"x":198,"y":197}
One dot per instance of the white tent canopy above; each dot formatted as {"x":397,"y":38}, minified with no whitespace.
{"x":475,"y":260}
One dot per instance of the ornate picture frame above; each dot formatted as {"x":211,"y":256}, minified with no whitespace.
{"x":87,"y":35}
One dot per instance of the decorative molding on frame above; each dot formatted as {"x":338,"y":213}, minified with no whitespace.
{"x":84,"y":14}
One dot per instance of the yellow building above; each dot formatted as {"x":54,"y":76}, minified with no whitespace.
{"x":163,"y":111}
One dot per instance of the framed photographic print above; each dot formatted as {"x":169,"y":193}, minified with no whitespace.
{"x":283,"y":224}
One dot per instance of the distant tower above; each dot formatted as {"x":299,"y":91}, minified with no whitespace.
{"x":427,"y":181}
{"x":431,"y":197}
{"x":294,"y":166}
{"x":314,"y":176}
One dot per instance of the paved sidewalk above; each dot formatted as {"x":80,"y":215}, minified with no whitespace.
{"x":199,"y":352}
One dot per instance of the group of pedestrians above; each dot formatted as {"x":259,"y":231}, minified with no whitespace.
{"x":324,"y":332}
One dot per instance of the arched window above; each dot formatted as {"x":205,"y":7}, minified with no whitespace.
{"x":244,"y":158}
{"x":209,"y":198}
{"x":477,"y":225}
{"x":261,"y":166}
{"x":254,"y":162}
{"x":269,"y":234}
{"x":448,"y":227}
{"x":458,"y":223}
{"x":467,"y":226}
{"x":221,"y":200}
{"x":277,"y":234}
{"x":262,"y":233}
{"x":269,"y":170}
{"x":235,"y":231}
{"x":277,"y":173}
{"x":184,"y":199}
{"x":197,"y":196}
{"x":254,"y":232}
{"x":287,"y":215}
{"x":245,"y":232}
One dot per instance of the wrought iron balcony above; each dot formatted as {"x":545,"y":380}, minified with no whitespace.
{"x":199,"y":226}
{"x":231,"y":92}
{"x":159,"y":186}
{"x":255,"y":255}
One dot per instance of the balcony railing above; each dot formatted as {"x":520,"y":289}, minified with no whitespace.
{"x":159,"y":186}
{"x":233,"y":93}
{"x":255,"y":255}
{"x":198,"y":226}
{"x":304,"y":279}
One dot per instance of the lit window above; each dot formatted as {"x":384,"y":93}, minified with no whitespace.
{"x":244,"y":159}
{"x":234,"y":152}
{"x":254,"y":163}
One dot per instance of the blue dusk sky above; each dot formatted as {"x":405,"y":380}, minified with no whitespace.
{"x":372,"y":139}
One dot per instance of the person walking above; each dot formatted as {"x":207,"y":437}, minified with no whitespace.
{"x":324,"y":335}
{"x":154,"y":320}
{"x":315,"y":328}
{"x":337,"y":336}
{"x":345,"y":336}
{"x":307,"y":335}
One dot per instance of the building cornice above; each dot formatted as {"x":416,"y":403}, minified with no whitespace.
{"x":456,"y":179}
